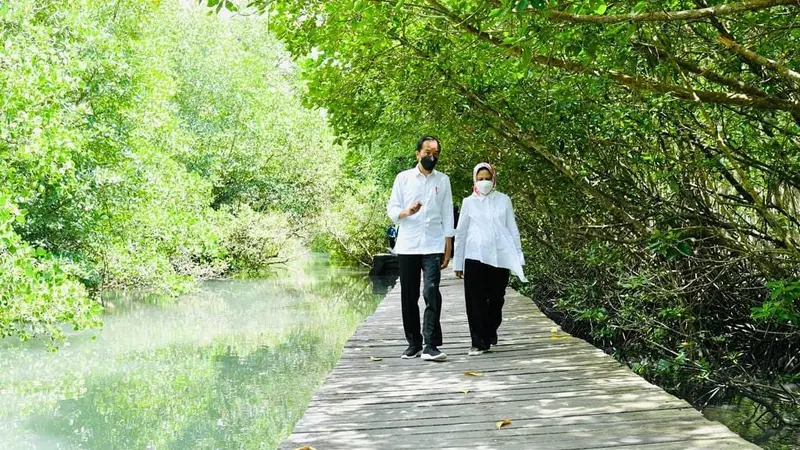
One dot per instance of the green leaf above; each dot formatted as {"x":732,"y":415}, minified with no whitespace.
{"x":497,"y":12}
{"x":526,"y":55}
{"x":600,"y":7}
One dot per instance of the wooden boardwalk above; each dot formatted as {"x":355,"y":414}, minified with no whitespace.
{"x":559,"y":392}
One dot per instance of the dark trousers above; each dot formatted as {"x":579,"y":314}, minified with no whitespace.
{"x":484,"y":292}
{"x":410,"y":268}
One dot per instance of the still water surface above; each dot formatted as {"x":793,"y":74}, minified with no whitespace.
{"x":230,"y":366}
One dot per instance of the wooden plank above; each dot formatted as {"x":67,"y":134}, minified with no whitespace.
{"x":640,"y":432}
{"x":387,"y":395}
{"x":381,"y":402}
{"x":559,"y":392}
{"x":488,"y":411}
{"x":423,"y":383}
{"x":305,"y":425}
{"x":545,"y":423}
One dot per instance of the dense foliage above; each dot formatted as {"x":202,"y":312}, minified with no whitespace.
{"x":651,"y":149}
{"x":145,"y":144}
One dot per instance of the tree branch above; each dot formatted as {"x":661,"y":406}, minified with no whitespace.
{"x":630,"y":81}
{"x":670,"y":16}
{"x":709,"y":75}
{"x":754,"y":58}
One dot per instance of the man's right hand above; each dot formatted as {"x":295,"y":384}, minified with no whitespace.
{"x":411,"y":210}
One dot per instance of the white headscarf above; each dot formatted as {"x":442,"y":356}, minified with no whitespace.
{"x":478,"y":168}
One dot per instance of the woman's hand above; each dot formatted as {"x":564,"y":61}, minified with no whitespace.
{"x":459,"y":274}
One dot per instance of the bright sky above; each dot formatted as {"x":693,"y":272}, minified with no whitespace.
{"x":194,"y":4}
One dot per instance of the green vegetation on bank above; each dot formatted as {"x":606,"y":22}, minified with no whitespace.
{"x":145,"y":144}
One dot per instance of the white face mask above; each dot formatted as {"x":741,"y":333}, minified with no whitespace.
{"x":485,"y":186}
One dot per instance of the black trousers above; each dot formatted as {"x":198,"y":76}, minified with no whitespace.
{"x":410,"y":268}
{"x":484,"y":292}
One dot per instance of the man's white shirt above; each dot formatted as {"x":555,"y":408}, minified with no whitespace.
{"x":422,"y":233}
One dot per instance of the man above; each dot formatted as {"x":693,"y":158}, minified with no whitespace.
{"x":422,"y":204}
{"x":391,"y":233}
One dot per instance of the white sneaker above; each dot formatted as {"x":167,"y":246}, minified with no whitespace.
{"x":475,"y":351}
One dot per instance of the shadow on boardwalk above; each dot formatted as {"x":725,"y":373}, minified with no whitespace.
{"x":559,"y":392}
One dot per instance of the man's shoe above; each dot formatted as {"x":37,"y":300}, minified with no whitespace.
{"x":411,"y":352}
{"x":431,"y":353}
{"x":475,"y":351}
{"x":494,"y":340}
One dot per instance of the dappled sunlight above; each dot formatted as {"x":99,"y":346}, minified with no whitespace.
{"x":529,"y":392}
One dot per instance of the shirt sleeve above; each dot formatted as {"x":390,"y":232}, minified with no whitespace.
{"x":511,"y":223}
{"x":447,"y":211}
{"x":459,"y":254}
{"x":395,"y":206}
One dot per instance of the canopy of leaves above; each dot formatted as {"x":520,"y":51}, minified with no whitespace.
{"x":651,"y":150}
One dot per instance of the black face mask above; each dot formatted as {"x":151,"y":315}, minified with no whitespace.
{"x":429,"y":162}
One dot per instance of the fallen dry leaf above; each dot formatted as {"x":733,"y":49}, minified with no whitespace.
{"x":473,"y":374}
{"x":375,"y":358}
{"x":305,"y":447}
{"x":554,"y":330}
{"x":464,"y":391}
{"x":503,"y":423}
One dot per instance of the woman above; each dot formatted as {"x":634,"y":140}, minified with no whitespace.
{"x":487,"y":249}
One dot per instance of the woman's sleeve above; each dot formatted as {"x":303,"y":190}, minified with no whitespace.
{"x":461,"y":236}
{"x":511,"y":223}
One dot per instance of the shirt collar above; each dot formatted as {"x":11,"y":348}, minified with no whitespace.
{"x":418,"y":172}
{"x":484,"y":197}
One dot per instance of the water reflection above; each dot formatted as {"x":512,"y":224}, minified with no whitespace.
{"x":231,"y":366}
{"x":738,"y":415}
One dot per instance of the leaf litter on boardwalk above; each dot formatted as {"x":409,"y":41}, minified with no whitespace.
{"x":555,"y":336}
{"x":503,"y":423}
{"x":473,"y":374}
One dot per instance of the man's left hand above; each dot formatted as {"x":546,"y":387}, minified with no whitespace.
{"x":448,"y":246}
